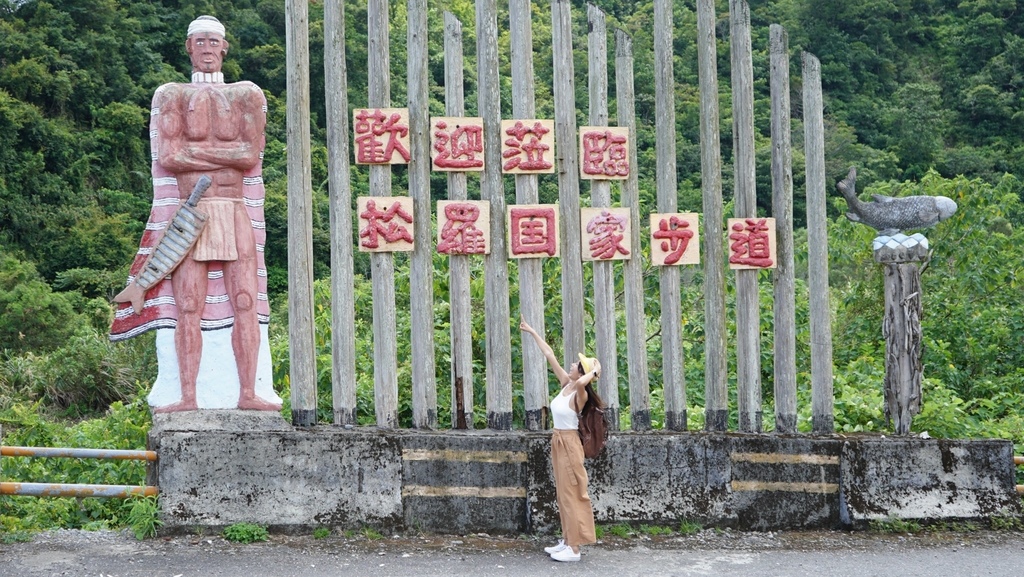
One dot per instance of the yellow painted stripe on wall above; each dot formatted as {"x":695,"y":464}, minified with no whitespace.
{"x":485,"y":492}
{"x":823,"y":488}
{"x":466,"y":456}
{"x":784,"y":458}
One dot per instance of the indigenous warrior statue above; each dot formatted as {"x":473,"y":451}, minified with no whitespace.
{"x":199,"y":277}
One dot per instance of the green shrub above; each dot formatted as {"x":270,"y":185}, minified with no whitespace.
{"x":245,"y":533}
{"x":143,"y":516}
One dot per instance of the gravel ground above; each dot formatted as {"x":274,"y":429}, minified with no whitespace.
{"x":709,"y":552}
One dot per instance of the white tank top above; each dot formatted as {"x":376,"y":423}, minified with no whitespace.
{"x":563,"y":413}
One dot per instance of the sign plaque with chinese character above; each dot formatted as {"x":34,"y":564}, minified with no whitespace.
{"x":381,"y":135}
{"x":385,"y":223}
{"x":604,"y":233}
{"x":463,"y":227}
{"x":604,"y":152}
{"x":675,"y":239}
{"x":533,"y":230}
{"x":457,"y":144}
{"x":751,"y":243}
{"x":527,"y":146}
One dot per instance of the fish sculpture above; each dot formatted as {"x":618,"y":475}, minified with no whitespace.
{"x":178,"y":239}
{"x":889,"y":215}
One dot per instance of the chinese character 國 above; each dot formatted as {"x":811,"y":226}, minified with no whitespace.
{"x":533,"y":230}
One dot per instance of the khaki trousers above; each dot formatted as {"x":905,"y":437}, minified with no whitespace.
{"x":574,"y":507}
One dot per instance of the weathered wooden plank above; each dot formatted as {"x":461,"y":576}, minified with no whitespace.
{"x":633,"y":269}
{"x":302,"y":354}
{"x":496,"y":307}
{"x":531,"y":273}
{"x":822,"y":414}
{"x":382,"y":264}
{"x":567,"y":166}
{"x":421,"y":273}
{"x":748,"y":346}
{"x":458,"y":264}
{"x":601,"y":197}
{"x":782,"y":210}
{"x":673,"y":372}
{"x":716,"y":395}
{"x":343,"y":337}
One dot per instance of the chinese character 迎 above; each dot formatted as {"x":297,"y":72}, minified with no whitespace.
{"x":458,"y":144}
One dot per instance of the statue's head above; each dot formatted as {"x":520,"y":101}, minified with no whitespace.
{"x":206,"y":45}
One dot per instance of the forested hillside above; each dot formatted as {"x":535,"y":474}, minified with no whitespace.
{"x":919,"y":94}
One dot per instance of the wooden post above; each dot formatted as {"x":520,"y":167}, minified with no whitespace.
{"x":496,"y":308}
{"x":633,"y":269}
{"x":673,"y":373}
{"x":901,"y":326}
{"x":382,"y":264}
{"x":822,"y":417}
{"x":302,"y":337}
{"x":458,"y":264}
{"x":748,"y":322}
{"x":421,"y":274}
{"x":567,"y":166}
{"x":716,"y":394}
{"x":531,"y":273}
{"x":782,"y":210}
{"x":343,"y":337}
{"x":601,"y":197}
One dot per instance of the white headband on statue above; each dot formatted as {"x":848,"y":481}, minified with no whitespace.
{"x":207,"y":24}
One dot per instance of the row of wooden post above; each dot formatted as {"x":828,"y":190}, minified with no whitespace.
{"x":498,"y":378}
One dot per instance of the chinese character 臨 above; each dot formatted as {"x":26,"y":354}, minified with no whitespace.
{"x":673,"y":239}
{"x":606,"y":234}
{"x":458,"y":232}
{"x":533,"y":230}
{"x":457,"y":142}
{"x":604,"y":153}
{"x":753,"y":242}
{"x":385,"y":228}
{"x":527,"y":143}
{"x":380,"y":134}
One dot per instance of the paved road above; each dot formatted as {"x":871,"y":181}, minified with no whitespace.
{"x":719,"y":554}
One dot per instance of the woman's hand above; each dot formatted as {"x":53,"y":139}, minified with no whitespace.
{"x":597,"y":368}
{"x":525,"y":326}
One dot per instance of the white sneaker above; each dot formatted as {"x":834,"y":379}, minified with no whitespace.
{"x":556,"y":548}
{"x":566,"y":555}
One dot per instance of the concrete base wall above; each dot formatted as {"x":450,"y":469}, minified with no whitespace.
{"x":219,"y":468}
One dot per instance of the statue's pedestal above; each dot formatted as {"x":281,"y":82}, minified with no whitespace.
{"x":902,"y":256}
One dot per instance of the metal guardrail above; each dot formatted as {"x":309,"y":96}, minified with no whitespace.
{"x":76,"y":490}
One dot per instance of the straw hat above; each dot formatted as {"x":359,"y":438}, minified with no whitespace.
{"x":587,"y":363}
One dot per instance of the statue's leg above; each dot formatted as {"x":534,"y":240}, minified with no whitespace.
{"x":189,"y":281}
{"x":240,"y":280}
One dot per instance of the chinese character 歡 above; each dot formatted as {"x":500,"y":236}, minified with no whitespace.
{"x":379,"y":136}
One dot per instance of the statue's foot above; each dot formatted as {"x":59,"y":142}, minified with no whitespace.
{"x":255,"y":403}
{"x":181,"y":405}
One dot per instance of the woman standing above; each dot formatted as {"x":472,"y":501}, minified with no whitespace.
{"x":574,"y":508}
